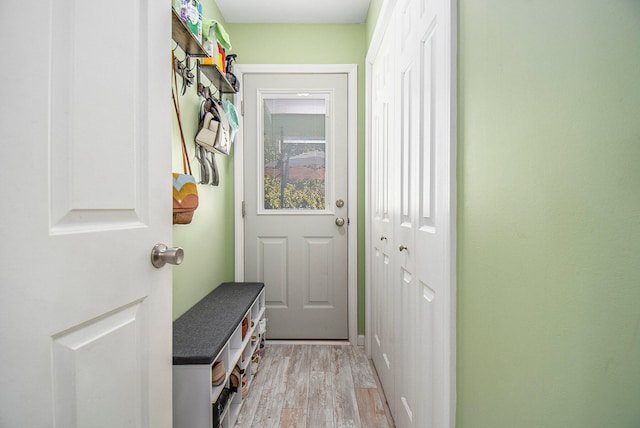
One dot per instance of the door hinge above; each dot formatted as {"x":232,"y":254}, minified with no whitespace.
{"x":244,"y":212}
{"x":241,"y":107}
{"x":348,"y":221}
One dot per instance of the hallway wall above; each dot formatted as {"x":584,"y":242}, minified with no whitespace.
{"x":549,"y":214}
{"x":208,"y":240}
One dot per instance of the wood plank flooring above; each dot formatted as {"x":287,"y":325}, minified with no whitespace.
{"x":314,"y":386}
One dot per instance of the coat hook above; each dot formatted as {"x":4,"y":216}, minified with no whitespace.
{"x":184,"y":69}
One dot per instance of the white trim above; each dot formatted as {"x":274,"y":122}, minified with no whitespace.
{"x":450,"y":273}
{"x":238,"y":184}
{"x":367,"y":201}
{"x":351,"y":70}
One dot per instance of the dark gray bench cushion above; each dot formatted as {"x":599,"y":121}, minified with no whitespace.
{"x":201,"y":332}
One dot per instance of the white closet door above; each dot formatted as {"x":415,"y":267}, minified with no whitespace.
{"x":405,"y":282}
{"x":411,"y":164}
{"x":432,"y":210}
{"x":383,"y":131}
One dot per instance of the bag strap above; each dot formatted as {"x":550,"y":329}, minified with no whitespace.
{"x":201,"y":155}
{"x":186,"y":165}
{"x":215,"y":176}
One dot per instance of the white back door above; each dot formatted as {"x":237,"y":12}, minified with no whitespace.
{"x":295,"y":163}
{"x":85,"y":159}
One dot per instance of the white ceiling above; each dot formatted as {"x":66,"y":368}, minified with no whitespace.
{"x":294,"y":11}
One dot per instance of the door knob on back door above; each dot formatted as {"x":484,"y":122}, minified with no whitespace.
{"x":161,"y":255}
{"x":339,"y":222}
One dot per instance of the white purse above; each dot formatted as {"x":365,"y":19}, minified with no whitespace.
{"x":208,"y":133}
{"x":215,"y":133}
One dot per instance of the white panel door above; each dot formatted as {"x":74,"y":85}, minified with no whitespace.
{"x":85,"y":159}
{"x":404,"y":277}
{"x":433,"y":208}
{"x":418,"y":249}
{"x":295,"y":163}
{"x":381,"y":298}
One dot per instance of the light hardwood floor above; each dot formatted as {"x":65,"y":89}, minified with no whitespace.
{"x":314,"y":386}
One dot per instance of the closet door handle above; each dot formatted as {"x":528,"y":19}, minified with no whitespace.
{"x":402,"y":248}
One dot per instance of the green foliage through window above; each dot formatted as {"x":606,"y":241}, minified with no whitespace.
{"x":298,"y":194}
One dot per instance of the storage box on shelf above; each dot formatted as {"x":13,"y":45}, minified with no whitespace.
{"x":209,"y":332}
{"x":185,"y":38}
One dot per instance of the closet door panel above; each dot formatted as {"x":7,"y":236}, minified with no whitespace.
{"x":407,"y":400}
{"x":426,"y":230}
{"x":432,"y":211}
{"x":382,"y":322}
{"x":405,"y":194}
{"x":382,"y":308}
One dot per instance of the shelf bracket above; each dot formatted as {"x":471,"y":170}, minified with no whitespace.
{"x":183,"y":68}
{"x":205,"y":91}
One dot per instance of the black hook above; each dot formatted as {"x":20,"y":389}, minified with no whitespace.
{"x":184,"y":70}
{"x":204,"y":91}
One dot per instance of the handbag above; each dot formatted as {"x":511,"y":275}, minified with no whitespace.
{"x":185,"y":190}
{"x":185,"y":198}
{"x":214,"y":134}
{"x":208,"y":133}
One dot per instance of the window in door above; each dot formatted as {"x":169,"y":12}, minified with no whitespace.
{"x":295,"y":151}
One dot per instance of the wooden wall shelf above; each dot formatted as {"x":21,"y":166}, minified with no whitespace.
{"x":185,"y":38}
{"x":217,"y":78}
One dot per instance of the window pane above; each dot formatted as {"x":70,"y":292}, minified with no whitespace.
{"x":294,"y":153}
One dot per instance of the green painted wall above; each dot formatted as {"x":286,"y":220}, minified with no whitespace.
{"x":208,"y":241}
{"x":372,"y":18}
{"x":313,"y":44}
{"x":549,"y":214}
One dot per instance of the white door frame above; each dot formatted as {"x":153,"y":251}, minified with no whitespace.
{"x":352,"y":180}
{"x":384,"y":18}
